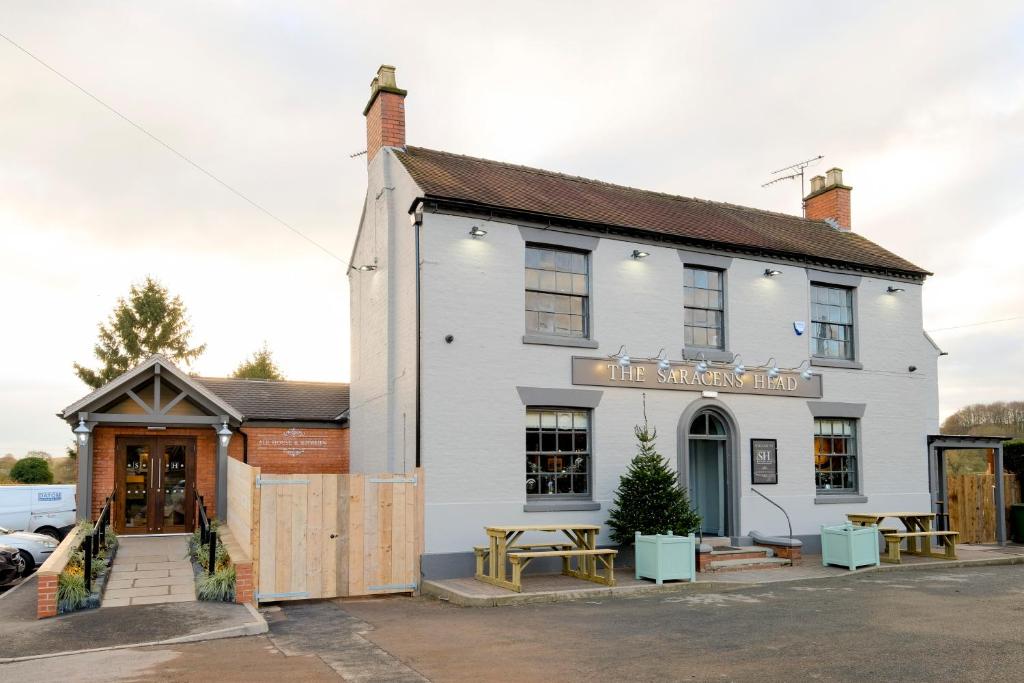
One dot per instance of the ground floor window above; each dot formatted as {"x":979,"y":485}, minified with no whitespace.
{"x":557,"y":452}
{"x":835,"y":455}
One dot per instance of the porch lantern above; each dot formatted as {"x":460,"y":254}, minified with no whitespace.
{"x":82,"y":433}
{"x":224,"y":433}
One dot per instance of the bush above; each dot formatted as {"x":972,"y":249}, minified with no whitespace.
{"x":649,"y":499}
{"x":219,"y":586}
{"x":71,"y":593}
{"x":32,"y":471}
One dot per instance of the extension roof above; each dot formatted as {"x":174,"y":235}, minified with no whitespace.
{"x":284,"y":400}
{"x":482,"y":184}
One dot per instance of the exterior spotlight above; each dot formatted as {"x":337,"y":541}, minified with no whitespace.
{"x":740,"y":369}
{"x":663,"y":361}
{"x":82,"y":433}
{"x":771,"y":272}
{"x":476,"y":232}
{"x":894,"y":290}
{"x":365,"y":268}
{"x":225,"y":434}
{"x":637,"y":254}
{"x":773,"y":370}
{"x":806,"y":372}
{"x":702,"y":366}
{"x":622,"y":357}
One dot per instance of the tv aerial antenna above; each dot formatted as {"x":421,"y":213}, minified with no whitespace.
{"x":795,"y":171}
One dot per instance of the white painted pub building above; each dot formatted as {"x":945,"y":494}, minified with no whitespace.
{"x":510,"y":323}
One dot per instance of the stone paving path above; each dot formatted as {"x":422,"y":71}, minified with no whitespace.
{"x":150,"y":570}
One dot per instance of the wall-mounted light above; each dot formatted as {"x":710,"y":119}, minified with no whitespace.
{"x":82,"y":433}
{"x":476,"y":232}
{"x":739,"y":369}
{"x":637,"y":254}
{"x":894,"y":290}
{"x":365,"y":268}
{"x":622,"y":357}
{"x":771,"y":272}
{"x":702,"y":364}
{"x":225,"y":434}
{"x":663,"y":361}
{"x":806,"y":372}
{"x":773,"y":368}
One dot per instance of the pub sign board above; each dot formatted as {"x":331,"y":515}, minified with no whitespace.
{"x":764,"y":461}
{"x":683,"y":376}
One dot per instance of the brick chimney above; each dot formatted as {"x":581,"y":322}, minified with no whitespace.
{"x":385,"y":113}
{"x":829,"y":199}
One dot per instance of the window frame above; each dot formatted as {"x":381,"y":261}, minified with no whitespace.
{"x":852,"y":341}
{"x":723,"y":333}
{"x":535,"y":336}
{"x":533,"y":498}
{"x":853,"y":440}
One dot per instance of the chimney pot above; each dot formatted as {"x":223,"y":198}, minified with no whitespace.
{"x":817,"y":183}
{"x":834,"y":176}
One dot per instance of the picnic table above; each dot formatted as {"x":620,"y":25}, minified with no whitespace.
{"x":918,"y":527}
{"x":504,"y":549}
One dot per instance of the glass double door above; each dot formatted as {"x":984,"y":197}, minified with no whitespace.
{"x":155,"y":481}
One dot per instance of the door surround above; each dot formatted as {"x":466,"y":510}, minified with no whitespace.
{"x":733,"y":462}
{"x":155,"y":502}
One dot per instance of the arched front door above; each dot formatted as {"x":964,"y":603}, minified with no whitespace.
{"x":709,"y":467}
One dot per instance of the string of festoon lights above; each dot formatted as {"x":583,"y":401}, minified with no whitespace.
{"x":736,"y":364}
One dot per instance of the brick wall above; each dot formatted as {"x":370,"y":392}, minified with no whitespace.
{"x":323,"y":451}
{"x":46,"y":596}
{"x":832,"y":203}
{"x":385,"y":123}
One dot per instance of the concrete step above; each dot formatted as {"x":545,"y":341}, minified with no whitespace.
{"x":739,"y":565}
{"x":741,"y":553}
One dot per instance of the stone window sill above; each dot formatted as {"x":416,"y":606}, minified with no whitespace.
{"x":560,"y":341}
{"x":839,"y":499}
{"x":836,"y":363}
{"x":717,"y":355}
{"x":562,"y":506}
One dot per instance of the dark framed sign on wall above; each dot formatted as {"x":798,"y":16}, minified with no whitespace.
{"x":764,"y":461}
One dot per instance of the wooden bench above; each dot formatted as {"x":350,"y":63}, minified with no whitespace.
{"x":520,"y":560}
{"x":893,"y":540}
{"x":482,"y":552}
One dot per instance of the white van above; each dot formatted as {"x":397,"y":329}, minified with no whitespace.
{"x":40,"y":508}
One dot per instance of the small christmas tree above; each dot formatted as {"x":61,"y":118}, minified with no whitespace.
{"x":649,"y":499}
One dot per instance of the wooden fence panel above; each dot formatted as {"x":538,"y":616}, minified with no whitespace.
{"x":972,"y":505}
{"x":328,"y":535}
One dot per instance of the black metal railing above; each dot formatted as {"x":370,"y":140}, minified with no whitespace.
{"x":97,"y":539}
{"x":207,"y":534}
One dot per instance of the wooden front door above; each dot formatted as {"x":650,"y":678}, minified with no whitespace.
{"x":155,"y":484}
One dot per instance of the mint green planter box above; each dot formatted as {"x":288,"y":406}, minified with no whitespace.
{"x":849,"y":546}
{"x":664,"y":558}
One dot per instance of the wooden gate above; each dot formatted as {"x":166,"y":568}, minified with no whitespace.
{"x":972,"y":507}
{"x":333,"y":535}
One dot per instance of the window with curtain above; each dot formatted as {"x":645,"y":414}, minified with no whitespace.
{"x":835,"y":455}
{"x":832,"y":322}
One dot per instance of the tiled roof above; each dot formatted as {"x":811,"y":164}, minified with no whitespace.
{"x":496,"y":185}
{"x":285,"y":400}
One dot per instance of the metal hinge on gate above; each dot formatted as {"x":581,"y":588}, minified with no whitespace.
{"x":393,"y":587}
{"x":278,"y":596}
{"x":412,"y":481}
{"x":260,"y":481}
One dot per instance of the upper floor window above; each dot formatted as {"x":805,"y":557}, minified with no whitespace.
{"x":832,"y":321}
{"x":704,"y":314}
{"x":557,"y":292}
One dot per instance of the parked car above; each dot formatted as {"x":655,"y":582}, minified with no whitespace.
{"x":33,"y":548}
{"x":45,"y":509}
{"x":12,"y":566}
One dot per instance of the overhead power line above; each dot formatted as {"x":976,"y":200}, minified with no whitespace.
{"x":983,"y":322}
{"x":238,"y":193}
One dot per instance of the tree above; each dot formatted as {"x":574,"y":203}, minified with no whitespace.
{"x":259,"y":366}
{"x":649,"y":498}
{"x":148,"y":322}
{"x":1000,"y":418}
{"x":32,"y":471}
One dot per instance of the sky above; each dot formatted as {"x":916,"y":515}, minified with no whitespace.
{"x":921,"y":104}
